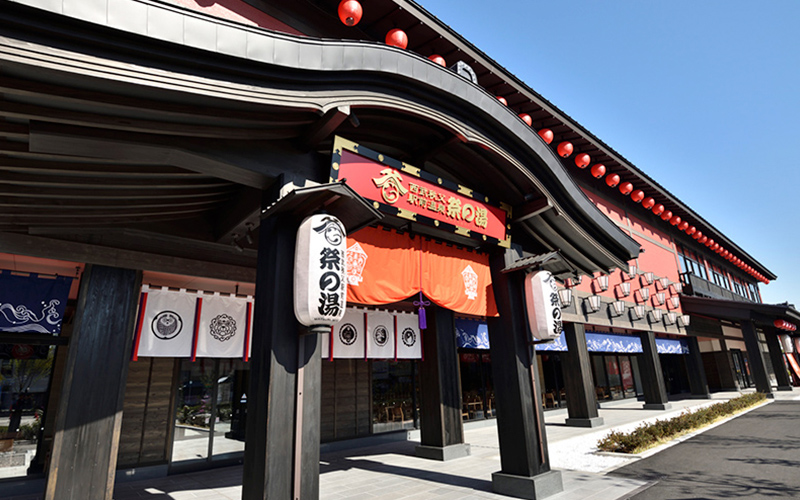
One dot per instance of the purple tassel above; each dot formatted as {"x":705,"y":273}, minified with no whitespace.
{"x":421,"y":303}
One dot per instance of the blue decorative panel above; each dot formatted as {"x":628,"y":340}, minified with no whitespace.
{"x":472,"y":334}
{"x":30,"y":304}
{"x":604,"y":342}
{"x":669,"y":346}
{"x":558,"y":344}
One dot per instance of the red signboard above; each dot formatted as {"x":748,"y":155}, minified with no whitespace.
{"x":399,"y":189}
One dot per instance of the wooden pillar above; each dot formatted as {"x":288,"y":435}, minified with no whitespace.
{"x":281,"y":458}
{"x":83,"y":461}
{"x":776,"y":357}
{"x":698,"y":384}
{"x":441,"y":429}
{"x":655,"y":393}
{"x":581,"y":397}
{"x":525,"y":465}
{"x":756,"y":360}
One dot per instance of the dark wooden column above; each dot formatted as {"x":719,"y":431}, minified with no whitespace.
{"x":83,"y":461}
{"x":271,"y":455}
{"x":525,"y":465}
{"x":655,"y":393}
{"x":698,"y":384}
{"x":776,"y":357}
{"x":441,"y":429}
{"x":755,"y":358}
{"x":581,"y":397}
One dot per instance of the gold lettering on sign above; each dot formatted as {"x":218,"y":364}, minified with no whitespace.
{"x":391,"y":185}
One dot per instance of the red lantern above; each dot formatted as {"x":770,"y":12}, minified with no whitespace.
{"x":626,"y":188}
{"x":503,"y":100}
{"x":599,"y":170}
{"x":565,"y":149}
{"x":691,"y":230}
{"x":612,"y":180}
{"x":637,"y":195}
{"x":658,"y":209}
{"x":397,"y":38}
{"x":777,"y":323}
{"x":438,"y":60}
{"x":697,"y":235}
{"x":703,"y":240}
{"x":648,"y":203}
{"x":582,"y":160}
{"x":546,"y":134}
{"x":675,"y":220}
{"x":526,"y":118}
{"x":350,"y":12}
{"x":666,"y":215}
{"x":683,"y":225}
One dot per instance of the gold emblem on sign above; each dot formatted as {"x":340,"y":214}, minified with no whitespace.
{"x":391,"y":185}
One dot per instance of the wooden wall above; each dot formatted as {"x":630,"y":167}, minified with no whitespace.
{"x":346,"y":399}
{"x":147,"y":413}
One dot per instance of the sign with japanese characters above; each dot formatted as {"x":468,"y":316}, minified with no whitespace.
{"x":399,"y":189}
{"x":543,"y":305}
{"x":320,"y":280}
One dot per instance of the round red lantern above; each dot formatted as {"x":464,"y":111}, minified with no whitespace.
{"x":438,"y":60}
{"x":546,"y":134}
{"x":658,"y":209}
{"x":691,"y":230}
{"x":397,"y":38}
{"x":683,"y":225}
{"x":675,"y":220}
{"x":778,"y":323}
{"x":599,"y":170}
{"x":612,"y":180}
{"x":583,"y":160}
{"x":637,"y":195}
{"x":526,"y":118}
{"x":648,"y":203}
{"x":698,"y":235}
{"x":703,"y":240}
{"x":666,"y":215}
{"x":350,"y":12}
{"x":565,"y":149}
{"x":626,"y":188}
{"x":503,"y":100}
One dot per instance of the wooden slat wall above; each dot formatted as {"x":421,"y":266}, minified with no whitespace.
{"x":346,"y":399}
{"x":146,"y":412}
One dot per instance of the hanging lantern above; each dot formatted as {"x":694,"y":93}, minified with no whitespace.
{"x":526,"y":118}
{"x":397,"y":38}
{"x":503,"y":100}
{"x":582,"y":160}
{"x":612,"y":180}
{"x":683,"y":225}
{"x":438,"y":60}
{"x":715,"y":247}
{"x":703,"y":240}
{"x":546,"y":134}
{"x":599,"y":170}
{"x":698,"y":236}
{"x":675,"y":220}
{"x":543,"y":305}
{"x":648,"y":203}
{"x":658,"y":209}
{"x":626,"y":188}
{"x":637,"y":196}
{"x":691,"y":231}
{"x":666,"y":215}
{"x":350,"y":12}
{"x":565,"y":149}
{"x":710,"y":242}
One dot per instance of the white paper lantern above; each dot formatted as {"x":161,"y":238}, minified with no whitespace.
{"x":320,"y":279}
{"x":788,"y":345}
{"x":544,"y":305}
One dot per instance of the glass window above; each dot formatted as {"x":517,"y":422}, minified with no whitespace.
{"x":637,"y":379}
{"x":231,"y":408}
{"x":193,"y":407}
{"x":393,"y":397}
{"x":600,"y":383}
{"x":486,"y":363}
{"x":627,"y":376}
{"x":614,"y":379}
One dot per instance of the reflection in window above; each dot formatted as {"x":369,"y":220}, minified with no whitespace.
{"x":393,"y":395}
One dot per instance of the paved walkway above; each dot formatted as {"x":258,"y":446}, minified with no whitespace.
{"x":391,"y":471}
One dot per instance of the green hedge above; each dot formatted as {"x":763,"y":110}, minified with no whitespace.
{"x":648,"y":435}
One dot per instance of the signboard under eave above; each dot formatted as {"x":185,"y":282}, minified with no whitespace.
{"x":399,"y":189}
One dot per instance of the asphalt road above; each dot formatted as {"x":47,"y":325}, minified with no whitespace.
{"x":754,"y":456}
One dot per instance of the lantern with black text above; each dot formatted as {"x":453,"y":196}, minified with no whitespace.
{"x":320,"y":279}
{"x":543,"y":305}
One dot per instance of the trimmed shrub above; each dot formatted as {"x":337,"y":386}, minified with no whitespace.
{"x":648,"y":435}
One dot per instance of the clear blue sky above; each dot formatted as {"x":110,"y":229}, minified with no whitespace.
{"x":704,"y":96}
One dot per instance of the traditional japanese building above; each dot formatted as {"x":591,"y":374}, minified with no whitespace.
{"x":156,"y":160}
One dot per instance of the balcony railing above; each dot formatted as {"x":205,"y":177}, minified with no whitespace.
{"x":695,"y":285}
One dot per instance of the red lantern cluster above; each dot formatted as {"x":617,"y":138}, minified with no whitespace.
{"x":784,"y":325}
{"x":350,"y":12}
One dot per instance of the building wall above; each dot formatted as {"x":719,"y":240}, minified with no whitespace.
{"x":346,"y":399}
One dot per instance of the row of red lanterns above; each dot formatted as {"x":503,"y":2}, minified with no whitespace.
{"x":784,"y":325}
{"x":350,"y":13}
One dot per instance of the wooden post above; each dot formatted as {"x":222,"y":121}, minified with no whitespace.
{"x":581,"y":397}
{"x":441,"y":428}
{"x":757,"y":366}
{"x":698,"y":384}
{"x":525,"y":465}
{"x":272,"y":427}
{"x":655,"y":393}
{"x":776,"y":357}
{"x":89,"y":417}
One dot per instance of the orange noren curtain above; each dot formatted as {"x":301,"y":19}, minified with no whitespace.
{"x":385,"y":267}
